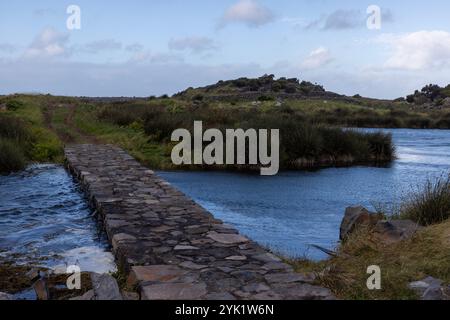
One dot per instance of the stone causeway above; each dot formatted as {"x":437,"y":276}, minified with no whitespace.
{"x":169,"y":247}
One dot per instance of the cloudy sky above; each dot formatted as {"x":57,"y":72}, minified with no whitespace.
{"x":152,"y":47}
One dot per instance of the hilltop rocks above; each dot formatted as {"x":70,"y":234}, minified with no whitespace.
{"x":356,"y":217}
{"x":431,"y":289}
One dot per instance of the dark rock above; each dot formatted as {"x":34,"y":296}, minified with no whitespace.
{"x":430,"y":289}
{"x":105,"y":287}
{"x":355,"y":217}
{"x":41,"y":289}
{"x":396,"y":230}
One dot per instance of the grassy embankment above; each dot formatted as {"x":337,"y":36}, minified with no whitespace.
{"x":144,"y":127}
{"x":426,"y":254}
{"x":24,"y":137}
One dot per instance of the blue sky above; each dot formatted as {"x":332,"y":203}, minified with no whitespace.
{"x":142,"y":48}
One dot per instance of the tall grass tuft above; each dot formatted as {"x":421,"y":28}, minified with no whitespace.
{"x":430,"y":205}
{"x":11,"y":157}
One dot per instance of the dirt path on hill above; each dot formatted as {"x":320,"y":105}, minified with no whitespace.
{"x":70,"y":133}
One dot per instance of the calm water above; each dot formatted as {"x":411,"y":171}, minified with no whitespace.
{"x":45,"y":220}
{"x":293,"y":210}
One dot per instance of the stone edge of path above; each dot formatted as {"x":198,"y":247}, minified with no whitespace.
{"x":170,"y":247}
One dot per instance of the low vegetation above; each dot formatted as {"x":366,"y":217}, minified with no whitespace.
{"x":429,"y":205}
{"x":304,"y":144}
{"x":425,"y":254}
{"x":24,"y":138}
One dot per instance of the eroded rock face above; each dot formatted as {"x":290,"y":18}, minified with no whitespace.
{"x":431,"y":289}
{"x":356,"y":217}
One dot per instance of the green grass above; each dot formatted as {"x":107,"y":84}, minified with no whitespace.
{"x":425,"y":254}
{"x":24,"y":125}
{"x":130,"y":137}
{"x":11,"y":156}
{"x":428,"y":205}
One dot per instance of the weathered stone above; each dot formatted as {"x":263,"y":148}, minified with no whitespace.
{"x":162,"y":273}
{"x":182,"y":247}
{"x":192,"y":265}
{"x":41,"y":289}
{"x":89,"y":295}
{"x":122,"y":237}
{"x":5,"y":296}
{"x":396,"y":230}
{"x":289,"y":277}
{"x":173,"y":291}
{"x":223,"y":296}
{"x":105,"y":287}
{"x":355,"y":217}
{"x":226,"y":238}
{"x":131,"y":296}
{"x":430,"y":289}
{"x":256,"y":287}
{"x":236,"y":258}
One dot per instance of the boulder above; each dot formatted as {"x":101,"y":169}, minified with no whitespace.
{"x":431,"y":289}
{"x":5,"y":296}
{"x":355,"y":217}
{"x":105,"y":287}
{"x":394,"y":231}
{"x":41,"y":289}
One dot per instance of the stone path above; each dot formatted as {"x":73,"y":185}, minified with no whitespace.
{"x":171,"y":247}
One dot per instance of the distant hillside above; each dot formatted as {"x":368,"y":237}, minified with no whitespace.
{"x":263,"y":88}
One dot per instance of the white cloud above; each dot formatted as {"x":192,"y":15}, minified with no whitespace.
{"x":418,"y":50}
{"x":248,"y":12}
{"x":49,"y":43}
{"x":195,"y":44}
{"x":317,"y":58}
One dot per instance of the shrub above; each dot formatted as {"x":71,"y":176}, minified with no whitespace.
{"x":11,"y":156}
{"x":429,"y":205}
{"x":13,"y":105}
{"x":13,"y":128}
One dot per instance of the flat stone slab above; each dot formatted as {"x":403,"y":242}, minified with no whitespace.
{"x":174,"y":291}
{"x":171,"y":247}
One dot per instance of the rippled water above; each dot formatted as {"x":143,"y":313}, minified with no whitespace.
{"x":293,"y":210}
{"x":45,"y":220}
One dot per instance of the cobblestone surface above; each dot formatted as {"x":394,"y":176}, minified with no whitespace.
{"x":170,"y":246}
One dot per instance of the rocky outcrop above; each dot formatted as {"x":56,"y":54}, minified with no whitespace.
{"x":393,"y":231}
{"x":384,"y":231}
{"x":170,"y":246}
{"x":356,"y":217}
{"x":431,"y":289}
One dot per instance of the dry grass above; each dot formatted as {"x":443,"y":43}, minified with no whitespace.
{"x":427,"y":254}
